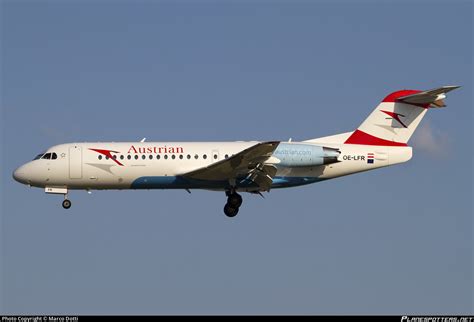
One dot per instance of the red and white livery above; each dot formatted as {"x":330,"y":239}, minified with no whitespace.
{"x":233,"y":167}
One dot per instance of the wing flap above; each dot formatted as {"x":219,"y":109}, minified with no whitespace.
{"x":264,"y":181}
{"x":262,"y":175}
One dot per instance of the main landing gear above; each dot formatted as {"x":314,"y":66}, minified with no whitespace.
{"x":234,"y":201}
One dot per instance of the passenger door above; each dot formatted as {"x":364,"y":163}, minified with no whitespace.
{"x":75,"y":162}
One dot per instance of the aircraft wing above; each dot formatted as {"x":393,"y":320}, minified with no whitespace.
{"x":248,"y":163}
{"x":434,"y":96}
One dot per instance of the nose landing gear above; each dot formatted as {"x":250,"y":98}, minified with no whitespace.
{"x":60,"y":191}
{"x":66,"y":204}
{"x":234,"y":201}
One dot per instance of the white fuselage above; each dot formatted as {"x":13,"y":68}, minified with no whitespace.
{"x":159,"y":165}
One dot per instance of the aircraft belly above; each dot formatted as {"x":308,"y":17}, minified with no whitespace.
{"x":242,"y":184}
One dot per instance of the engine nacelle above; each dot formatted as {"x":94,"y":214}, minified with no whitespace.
{"x":304,"y":155}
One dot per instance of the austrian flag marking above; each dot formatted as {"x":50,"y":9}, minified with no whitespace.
{"x":370,"y":158}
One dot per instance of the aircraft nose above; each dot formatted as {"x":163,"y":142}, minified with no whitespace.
{"x":20,"y":175}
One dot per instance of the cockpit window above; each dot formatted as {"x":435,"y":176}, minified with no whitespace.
{"x":39,"y":156}
{"x":47,"y":156}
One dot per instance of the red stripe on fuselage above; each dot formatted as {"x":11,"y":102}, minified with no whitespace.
{"x":359,"y":137}
{"x":107,"y":153}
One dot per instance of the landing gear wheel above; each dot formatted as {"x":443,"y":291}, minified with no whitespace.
{"x":230,"y":211}
{"x":66,"y":204}
{"x":234,"y":200}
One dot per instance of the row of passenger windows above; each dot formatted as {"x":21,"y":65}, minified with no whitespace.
{"x":158,"y":157}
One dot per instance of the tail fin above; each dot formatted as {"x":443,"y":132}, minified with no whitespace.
{"x":394,"y":120}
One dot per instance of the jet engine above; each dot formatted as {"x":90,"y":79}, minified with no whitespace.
{"x":304,"y":155}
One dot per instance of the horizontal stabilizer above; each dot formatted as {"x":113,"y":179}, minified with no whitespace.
{"x":434,"y":97}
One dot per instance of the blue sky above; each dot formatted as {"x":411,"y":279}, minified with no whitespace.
{"x":392,"y":241}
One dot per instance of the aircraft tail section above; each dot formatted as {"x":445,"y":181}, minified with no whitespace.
{"x":395,"y":119}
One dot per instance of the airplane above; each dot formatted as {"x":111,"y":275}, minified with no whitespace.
{"x":233,"y":167}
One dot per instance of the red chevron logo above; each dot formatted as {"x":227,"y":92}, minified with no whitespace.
{"x":108,"y":154}
{"x":395,"y":116}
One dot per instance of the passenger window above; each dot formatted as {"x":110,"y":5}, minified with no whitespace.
{"x":151,"y":157}
{"x":173,"y":157}
{"x":114,"y":157}
{"x":100,"y":157}
{"x":196,"y":156}
{"x":166,"y":156}
{"x":47,"y":156}
{"x":158,"y":157}
{"x":106,"y":157}
{"x":129,"y":156}
{"x":143,"y":157}
{"x":226,"y":156}
{"x":215,"y":156}
{"x":181,"y":156}
{"x":189,"y":157}
{"x":136,"y":157}
{"x":204,"y":156}
{"x":121,"y":157}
